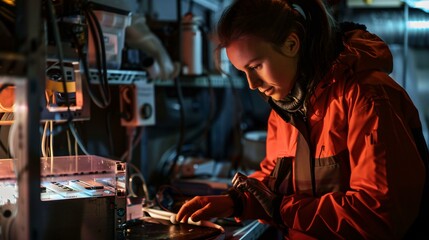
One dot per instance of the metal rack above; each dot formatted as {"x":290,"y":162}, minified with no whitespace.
{"x":126,"y":77}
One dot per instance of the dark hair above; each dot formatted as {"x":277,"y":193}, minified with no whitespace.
{"x":274,"y":20}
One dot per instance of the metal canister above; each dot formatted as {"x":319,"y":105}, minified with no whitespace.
{"x":192,"y":45}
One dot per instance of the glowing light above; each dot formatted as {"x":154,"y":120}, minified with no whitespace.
{"x":418,"y":24}
{"x":421,"y":4}
{"x":9,"y":2}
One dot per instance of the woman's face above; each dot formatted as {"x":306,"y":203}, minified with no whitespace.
{"x":272,"y":72}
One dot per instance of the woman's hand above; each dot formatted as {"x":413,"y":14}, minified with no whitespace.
{"x":206,"y":207}
{"x":260,"y":191}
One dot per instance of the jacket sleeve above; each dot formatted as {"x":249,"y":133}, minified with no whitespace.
{"x":387,"y":172}
{"x":275,"y":148}
{"x":269,"y":162}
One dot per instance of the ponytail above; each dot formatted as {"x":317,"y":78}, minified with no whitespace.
{"x":318,"y":49}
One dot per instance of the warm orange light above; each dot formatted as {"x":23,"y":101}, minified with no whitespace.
{"x":9,"y":2}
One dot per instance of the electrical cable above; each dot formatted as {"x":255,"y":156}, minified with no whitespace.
{"x":182,"y":138}
{"x":170,"y":155}
{"x":94,"y":99}
{"x":98,"y":38}
{"x":87,"y":83}
{"x":51,"y":145}
{"x":177,"y":84}
{"x":76,"y":149}
{"x":136,"y":140}
{"x":99,"y":47}
{"x":130,"y":134}
{"x":212,"y":110}
{"x":77,"y":138}
{"x":237,"y":121}
{"x":51,"y":139}
{"x":148,"y":201}
{"x":43,"y":141}
{"x":105,"y":82}
{"x":68,"y":142}
{"x":180,"y":141}
{"x":200,"y":130}
{"x":82,"y":54}
{"x":52,"y":17}
{"x":97,"y":43}
{"x":160,"y":192}
{"x":97,"y":51}
{"x":12,"y":140}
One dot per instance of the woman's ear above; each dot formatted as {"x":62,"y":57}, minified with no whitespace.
{"x":291,"y":45}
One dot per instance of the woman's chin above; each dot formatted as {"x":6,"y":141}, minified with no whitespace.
{"x":277,"y":97}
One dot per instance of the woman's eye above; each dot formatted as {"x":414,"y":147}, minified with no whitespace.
{"x":256,"y":67}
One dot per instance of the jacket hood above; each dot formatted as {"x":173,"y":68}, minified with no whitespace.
{"x":365,"y":51}
{"x":362,"y":52}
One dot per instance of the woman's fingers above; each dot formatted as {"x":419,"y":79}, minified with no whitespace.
{"x":187,"y":209}
{"x":205,"y":208}
{"x":204,"y":213}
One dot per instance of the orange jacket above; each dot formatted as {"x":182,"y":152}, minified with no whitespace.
{"x":369,"y":175}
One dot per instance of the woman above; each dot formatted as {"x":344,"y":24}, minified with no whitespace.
{"x":346,"y":158}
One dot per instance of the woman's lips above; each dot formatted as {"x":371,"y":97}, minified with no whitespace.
{"x":268,"y":91}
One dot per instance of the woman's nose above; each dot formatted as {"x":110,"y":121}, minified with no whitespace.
{"x":254,"y":81}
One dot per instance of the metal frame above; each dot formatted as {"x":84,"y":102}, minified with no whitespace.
{"x":30,"y":42}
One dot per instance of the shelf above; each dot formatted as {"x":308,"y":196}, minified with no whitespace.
{"x":374,"y":3}
{"x":119,"y":77}
{"x":127,"y":77}
{"x":209,"y":4}
{"x":216,"y":81}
